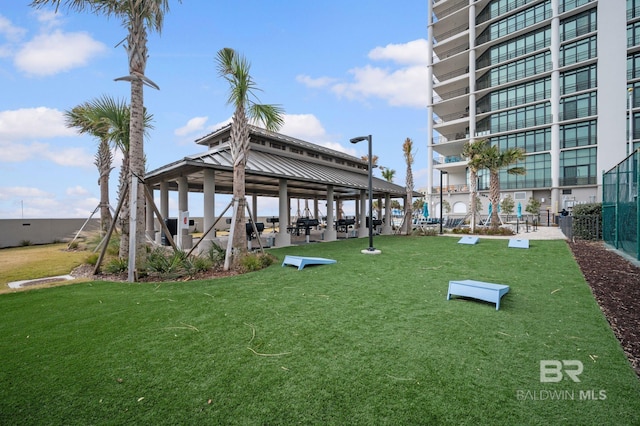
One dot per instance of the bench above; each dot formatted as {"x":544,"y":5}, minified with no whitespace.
{"x":301,"y":261}
{"x":488,"y":292}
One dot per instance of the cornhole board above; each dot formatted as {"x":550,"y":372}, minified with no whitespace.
{"x":468,"y":240}
{"x":489,"y":292}
{"x":516,"y":243}
{"x":301,"y":261}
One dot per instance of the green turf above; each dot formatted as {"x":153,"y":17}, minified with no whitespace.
{"x":368,"y":340}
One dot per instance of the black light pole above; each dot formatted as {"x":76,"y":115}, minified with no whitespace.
{"x":442,"y":173}
{"x":368,"y":139}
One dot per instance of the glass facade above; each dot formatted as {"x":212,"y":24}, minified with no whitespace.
{"x":577,"y":80}
{"x":532,"y":91}
{"x":578,"y":167}
{"x":579,"y":134}
{"x":516,"y":22}
{"x":512,"y":71}
{"x":531,"y":141}
{"x":519,"y":46}
{"x":578,"y":51}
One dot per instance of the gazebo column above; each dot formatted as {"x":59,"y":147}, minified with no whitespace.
{"x":330,"y":233}
{"x":150,"y":228}
{"x":282,"y":238}
{"x":209,"y":209}
{"x":164,"y":207}
{"x":362,"y":230}
{"x":387,"y":227}
{"x":254,"y":207}
{"x":183,"y":206}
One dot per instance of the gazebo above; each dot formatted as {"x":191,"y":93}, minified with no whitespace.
{"x":278,"y":166}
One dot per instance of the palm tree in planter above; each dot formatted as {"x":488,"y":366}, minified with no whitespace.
{"x":234,"y":68}
{"x":474,"y":152}
{"x":388,"y":174}
{"x":495,"y":160}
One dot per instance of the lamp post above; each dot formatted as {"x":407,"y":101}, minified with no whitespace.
{"x":371,"y":249}
{"x":442,"y":173}
{"x":630,"y":106}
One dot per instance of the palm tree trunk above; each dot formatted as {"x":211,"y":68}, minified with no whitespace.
{"x":239,"y":152}
{"x":494,"y":198}
{"x":473,"y":193}
{"x":124,"y":210}
{"x":103,"y":161}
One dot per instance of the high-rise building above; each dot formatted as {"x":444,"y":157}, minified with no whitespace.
{"x":553,"y":77}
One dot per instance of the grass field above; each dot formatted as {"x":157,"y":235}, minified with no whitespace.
{"x":368,"y":340}
{"x":25,"y":263}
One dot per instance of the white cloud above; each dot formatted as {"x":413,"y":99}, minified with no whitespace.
{"x":22,"y":192}
{"x":56,"y":52}
{"x":40,"y":122}
{"x":194,"y":125}
{"x":10,"y":31}
{"x":412,"y":53}
{"x":402,"y":86}
{"x":73,"y":157}
{"x":309,"y":128}
{"x":76,"y":191}
{"x":315,"y":82}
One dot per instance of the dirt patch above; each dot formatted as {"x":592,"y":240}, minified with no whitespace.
{"x":615,"y":284}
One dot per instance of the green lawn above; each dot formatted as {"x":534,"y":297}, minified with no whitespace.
{"x":368,"y":340}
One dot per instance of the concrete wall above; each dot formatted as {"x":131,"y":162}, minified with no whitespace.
{"x":15,"y":232}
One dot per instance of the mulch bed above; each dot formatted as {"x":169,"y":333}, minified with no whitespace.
{"x":615,"y":283}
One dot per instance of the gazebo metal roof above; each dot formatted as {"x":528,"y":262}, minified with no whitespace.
{"x":307,"y":168}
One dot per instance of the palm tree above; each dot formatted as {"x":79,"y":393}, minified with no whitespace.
{"x":109,"y":119}
{"x":234,"y":68}
{"x":474,"y":152}
{"x":407,"y":150}
{"x":494,"y":160}
{"x":388,"y":174}
{"x":87,"y":119}
{"x":136,"y":16}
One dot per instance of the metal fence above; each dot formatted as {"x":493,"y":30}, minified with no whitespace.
{"x":584,"y":227}
{"x":620,"y":205}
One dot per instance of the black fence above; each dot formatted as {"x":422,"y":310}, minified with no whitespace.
{"x":584,"y":227}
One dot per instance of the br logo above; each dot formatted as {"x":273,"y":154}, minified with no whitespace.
{"x":552,"y":371}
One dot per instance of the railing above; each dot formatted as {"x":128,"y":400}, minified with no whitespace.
{"x":579,"y":86}
{"x":453,"y":94}
{"x":578,"y":113}
{"x":585,"y":227}
{"x":579,"y":31}
{"x":578,"y":57}
{"x":453,"y":51}
{"x":486,"y":15}
{"x":452,"y":32}
{"x":454,"y":8}
{"x":455,"y":73}
{"x":486,"y":59}
{"x":572,"y":4}
{"x":487,"y":36}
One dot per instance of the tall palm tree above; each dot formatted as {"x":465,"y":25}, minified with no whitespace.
{"x":137,"y":16}
{"x":495,"y":160}
{"x":474,"y":152}
{"x":407,"y":150}
{"x":234,"y":68}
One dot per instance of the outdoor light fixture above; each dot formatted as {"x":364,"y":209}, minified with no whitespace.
{"x":371,"y":249}
{"x":442,"y":173}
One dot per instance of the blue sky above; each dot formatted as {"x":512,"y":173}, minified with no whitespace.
{"x":339,"y":68}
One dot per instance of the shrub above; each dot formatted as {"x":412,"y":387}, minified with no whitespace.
{"x":92,"y":259}
{"x":255,"y":261}
{"x":116,"y":266}
{"x":587,"y":221}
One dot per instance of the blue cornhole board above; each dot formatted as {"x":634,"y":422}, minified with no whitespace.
{"x":301,"y":261}
{"x":488,"y":292}
{"x":516,"y":243}
{"x":468,"y":240}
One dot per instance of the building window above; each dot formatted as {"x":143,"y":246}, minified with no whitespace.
{"x":579,"y":79}
{"x":633,"y":34}
{"x":633,"y":66}
{"x":516,"y":22}
{"x":519,"y":118}
{"x":516,"y":70}
{"x":578,"y":106}
{"x":531,"y":141}
{"x":519,"y":46}
{"x":538,"y":175}
{"x":579,"y":134}
{"x":633,"y":9}
{"x":566,"y":5}
{"x":578,"y":167}
{"x":578,"y":51}
{"x":499,"y":7}
{"x":578,"y":25}
{"x":532,"y":91}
